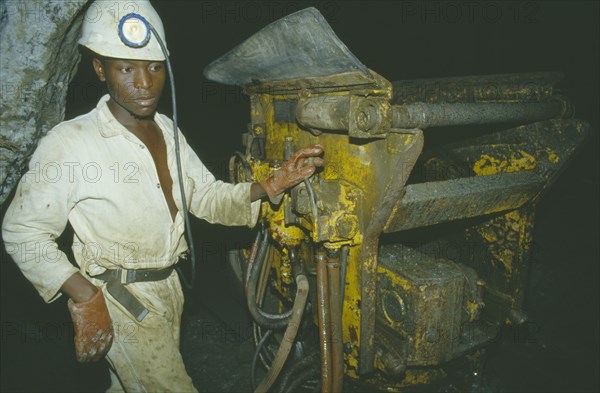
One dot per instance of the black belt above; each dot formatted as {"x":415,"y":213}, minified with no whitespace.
{"x":128,"y":276}
{"x":117,"y":279}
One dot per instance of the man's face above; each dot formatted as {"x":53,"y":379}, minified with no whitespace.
{"x":134,"y":85}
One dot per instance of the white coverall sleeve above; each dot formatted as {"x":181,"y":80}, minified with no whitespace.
{"x":216,"y":201}
{"x":38,"y":214}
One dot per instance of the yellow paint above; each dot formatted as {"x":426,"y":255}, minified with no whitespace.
{"x":501,"y":233}
{"x":395,"y":279}
{"x":417,"y":377}
{"x":552,"y":156}
{"x":473,"y":310}
{"x":411,"y":378}
{"x":518,"y":161}
{"x":286,"y":269}
{"x":363,"y":171}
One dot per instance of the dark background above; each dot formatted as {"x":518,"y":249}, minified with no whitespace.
{"x":400,"y":40}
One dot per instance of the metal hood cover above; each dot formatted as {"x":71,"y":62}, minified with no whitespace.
{"x":299,"y":45}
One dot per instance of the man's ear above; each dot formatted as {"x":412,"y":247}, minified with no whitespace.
{"x":99,"y":69}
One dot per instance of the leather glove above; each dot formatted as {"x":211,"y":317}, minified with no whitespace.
{"x":93,"y":328}
{"x":301,"y":165}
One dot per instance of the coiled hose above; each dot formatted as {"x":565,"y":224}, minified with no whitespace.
{"x":271,"y":321}
{"x":289,"y":336}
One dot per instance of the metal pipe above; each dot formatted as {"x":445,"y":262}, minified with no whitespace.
{"x":335,"y":325}
{"x":345,"y":252}
{"x":324,"y":319}
{"x":421,"y":115}
{"x":324,"y":112}
{"x":522,"y":87}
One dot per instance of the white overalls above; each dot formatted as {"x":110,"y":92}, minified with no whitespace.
{"x":97,"y":175}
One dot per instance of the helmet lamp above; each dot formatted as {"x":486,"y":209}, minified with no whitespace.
{"x":134,"y":30}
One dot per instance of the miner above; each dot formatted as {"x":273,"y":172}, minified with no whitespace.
{"x":115,"y":180}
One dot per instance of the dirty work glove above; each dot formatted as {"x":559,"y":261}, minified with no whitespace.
{"x":93,"y":328}
{"x":301,"y":165}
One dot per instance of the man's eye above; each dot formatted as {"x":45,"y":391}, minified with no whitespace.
{"x":125,"y":70}
{"x":155,"y":67}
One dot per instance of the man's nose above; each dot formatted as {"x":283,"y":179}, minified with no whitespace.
{"x":143,"y":79}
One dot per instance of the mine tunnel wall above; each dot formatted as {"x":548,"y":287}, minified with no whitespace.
{"x":38,"y":42}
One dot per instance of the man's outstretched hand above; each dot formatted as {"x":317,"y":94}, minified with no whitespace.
{"x":93,"y":328}
{"x":300,"y":166}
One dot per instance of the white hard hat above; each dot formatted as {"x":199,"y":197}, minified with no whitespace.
{"x":108,"y":24}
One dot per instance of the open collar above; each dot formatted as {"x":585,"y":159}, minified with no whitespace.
{"x":108,"y":125}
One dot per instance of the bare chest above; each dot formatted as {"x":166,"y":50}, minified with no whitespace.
{"x":155,"y":143}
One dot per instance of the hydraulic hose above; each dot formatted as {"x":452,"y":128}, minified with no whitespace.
{"x":245,"y":165}
{"x":271,"y":321}
{"x":306,"y":362}
{"x":289,"y":336}
{"x":313,"y":200}
{"x":301,"y":378}
{"x":265,"y":356}
{"x":259,"y":347}
{"x":250,"y":263}
{"x":263,"y":278}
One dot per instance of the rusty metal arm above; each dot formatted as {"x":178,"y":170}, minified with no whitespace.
{"x":521,"y":87}
{"x":421,"y":115}
{"x":368,"y":117}
{"x":436,"y":202}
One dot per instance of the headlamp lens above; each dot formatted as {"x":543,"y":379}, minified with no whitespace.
{"x":134,"y":30}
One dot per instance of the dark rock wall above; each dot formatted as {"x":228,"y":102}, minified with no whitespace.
{"x":39,"y":56}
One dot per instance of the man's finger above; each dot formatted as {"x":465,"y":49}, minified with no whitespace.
{"x":314,"y":161}
{"x":311,"y":151}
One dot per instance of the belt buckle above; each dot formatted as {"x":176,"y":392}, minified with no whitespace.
{"x":126,"y":276}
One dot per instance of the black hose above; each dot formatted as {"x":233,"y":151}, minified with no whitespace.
{"x":313,"y":201}
{"x":265,"y":356}
{"x":259,"y":346}
{"x":186,"y":213}
{"x":271,"y":321}
{"x":302,"y":377}
{"x":301,"y":365}
{"x":245,"y":166}
{"x":289,"y":336}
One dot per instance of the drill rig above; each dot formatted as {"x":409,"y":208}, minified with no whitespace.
{"x":393,"y":264}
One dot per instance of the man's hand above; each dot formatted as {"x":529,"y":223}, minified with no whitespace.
{"x":93,"y":328}
{"x":300,"y":166}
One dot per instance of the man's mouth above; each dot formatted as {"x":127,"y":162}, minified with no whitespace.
{"x":145,"y":101}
